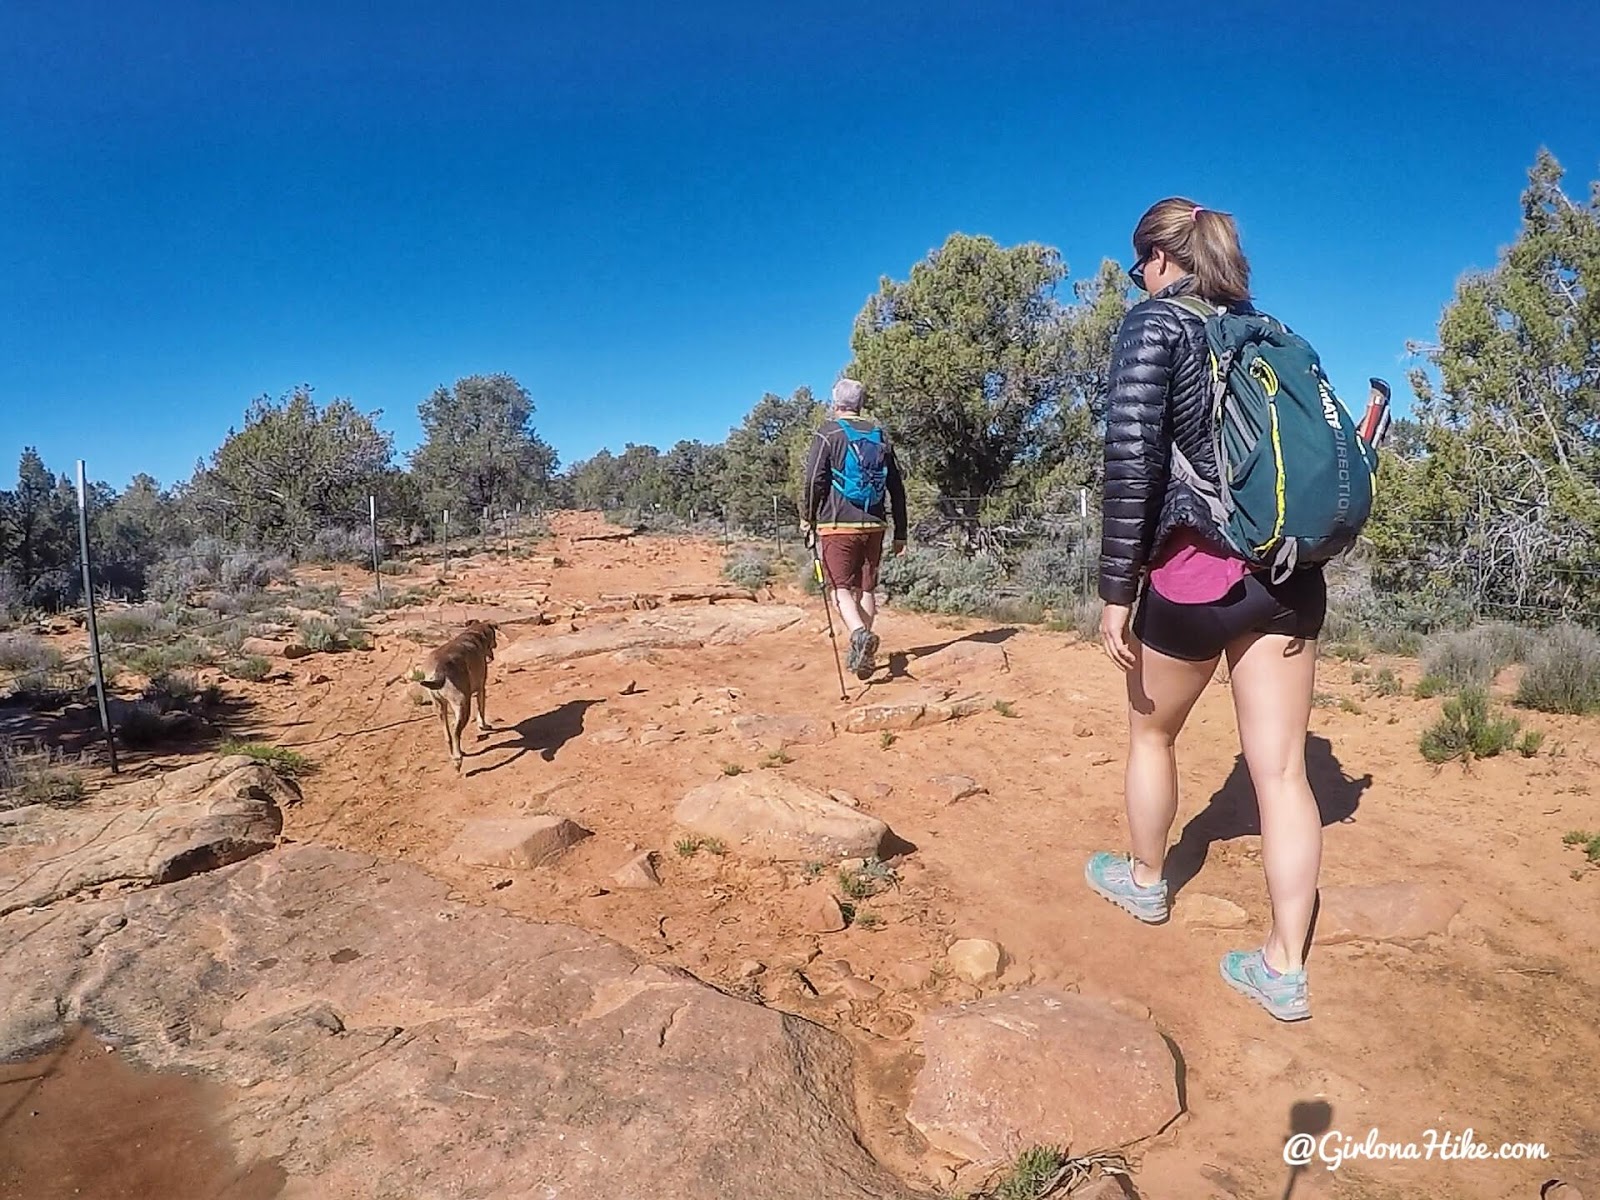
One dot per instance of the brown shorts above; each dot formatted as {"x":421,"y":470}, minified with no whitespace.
{"x":851,"y":560}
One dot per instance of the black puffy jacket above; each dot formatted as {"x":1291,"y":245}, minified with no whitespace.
{"x":1159,"y":394}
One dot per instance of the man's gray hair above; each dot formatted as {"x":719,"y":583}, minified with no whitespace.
{"x":848,"y":395}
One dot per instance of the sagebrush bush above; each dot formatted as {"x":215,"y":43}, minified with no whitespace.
{"x":161,"y":659}
{"x":1474,"y":657}
{"x":339,"y":546}
{"x":1049,"y":571}
{"x":1562,"y":672}
{"x":141,"y":623}
{"x":748,"y":568}
{"x":317,"y":634}
{"x":252,"y":668}
{"x":211,"y":562}
{"x":942,"y":581}
{"x":1467,"y":730}
{"x":36,"y":777}
{"x":23,"y":653}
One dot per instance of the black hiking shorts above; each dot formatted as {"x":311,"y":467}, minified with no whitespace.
{"x":1200,"y":632}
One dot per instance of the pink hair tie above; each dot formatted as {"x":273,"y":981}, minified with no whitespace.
{"x":1195,"y":215}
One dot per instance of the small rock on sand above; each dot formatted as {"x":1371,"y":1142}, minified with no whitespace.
{"x":977,"y":961}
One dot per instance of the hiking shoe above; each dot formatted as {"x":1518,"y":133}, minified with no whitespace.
{"x":1281,"y":994}
{"x":858,"y":643}
{"x":867,"y":662}
{"x":1111,"y":875}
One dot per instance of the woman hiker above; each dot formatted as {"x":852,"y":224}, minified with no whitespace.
{"x":1198,"y":602}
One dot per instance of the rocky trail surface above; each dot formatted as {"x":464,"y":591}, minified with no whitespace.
{"x":689,"y":926}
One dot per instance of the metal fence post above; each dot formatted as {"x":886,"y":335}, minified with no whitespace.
{"x":377,"y":565}
{"x":94,"y":628}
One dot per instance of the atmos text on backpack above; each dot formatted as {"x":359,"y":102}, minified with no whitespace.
{"x":863,"y":478}
{"x":1297,"y":480}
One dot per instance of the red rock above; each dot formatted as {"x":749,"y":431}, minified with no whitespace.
{"x":1384,"y":912}
{"x":531,"y":1057}
{"x":779,"y":732}
{"x":961,"y":659}
{"x":1038,"y":1067}
{"x":767,"y":814}
{"x":516,"y":841}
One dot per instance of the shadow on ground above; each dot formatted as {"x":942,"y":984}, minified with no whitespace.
{"x":900,"y":661}
{"x":544,"y":734}
{"x":1233,"y":813}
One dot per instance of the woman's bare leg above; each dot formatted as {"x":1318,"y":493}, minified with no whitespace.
{"x":1273,"y":681}
{"x":1161,"y":693}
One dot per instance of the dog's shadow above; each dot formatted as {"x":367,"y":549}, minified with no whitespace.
{"x":545,"y":733}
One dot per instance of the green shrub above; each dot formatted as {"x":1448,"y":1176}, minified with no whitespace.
{"x":252,"y":668}
{"x":317,"y":634}
{"x":1530,"y":743}
{"x":1589,"y":841}
{"x":330,"y":546}
{"x":280,"y":759}
{"x":1467,"y":730}
{"x":1429,"y":686}
{"x":1385,"y":682}
{"x":1562,"y":674}
{"x":186,"y":652}
{"x":173,"y":689}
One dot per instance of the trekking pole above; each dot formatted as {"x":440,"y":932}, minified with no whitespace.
{"x":827,"y":607}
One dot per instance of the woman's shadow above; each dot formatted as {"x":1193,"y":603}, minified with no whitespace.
{"x":1232,"y":812}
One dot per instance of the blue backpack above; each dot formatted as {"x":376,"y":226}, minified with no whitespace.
{"x":863,"y":479}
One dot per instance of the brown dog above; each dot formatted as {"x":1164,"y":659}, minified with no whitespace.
{"x":457,"y":672}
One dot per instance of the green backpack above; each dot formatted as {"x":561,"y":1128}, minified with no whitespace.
{"x":1297,"y":480}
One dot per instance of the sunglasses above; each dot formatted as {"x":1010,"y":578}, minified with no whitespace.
{"x":1136,"y":273}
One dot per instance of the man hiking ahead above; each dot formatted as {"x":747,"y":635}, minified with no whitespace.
{"x":851,"y":476}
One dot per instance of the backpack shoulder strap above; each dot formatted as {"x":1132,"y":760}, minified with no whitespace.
{"x":1194,"y":304}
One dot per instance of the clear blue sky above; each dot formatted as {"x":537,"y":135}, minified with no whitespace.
{"x":652,"y":213}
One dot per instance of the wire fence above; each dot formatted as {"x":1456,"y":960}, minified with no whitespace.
{"x":217,"y":588}
{"x":1424,"y":575}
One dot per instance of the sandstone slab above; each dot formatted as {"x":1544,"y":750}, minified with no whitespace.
{"x":1040,"y":1067}
{"x":1197,"y":910}
{"x":961,"y":660}
{"x":767,"y":815}
{"x":1384,"y":912}
{"x":520,"y":842}
{"x":679,"y":629}
{"x":376,"y":1039}
{"x":773,"y":732}
{"x":262,"y":647}
{"x":151,"y":831}
{"x":912,"y":712}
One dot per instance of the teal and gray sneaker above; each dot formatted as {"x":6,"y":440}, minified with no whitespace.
{"x":1283,"y":994}
{"x":1111,"y":875}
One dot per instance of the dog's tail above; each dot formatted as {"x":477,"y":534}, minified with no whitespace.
{"x":433,"y":684}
